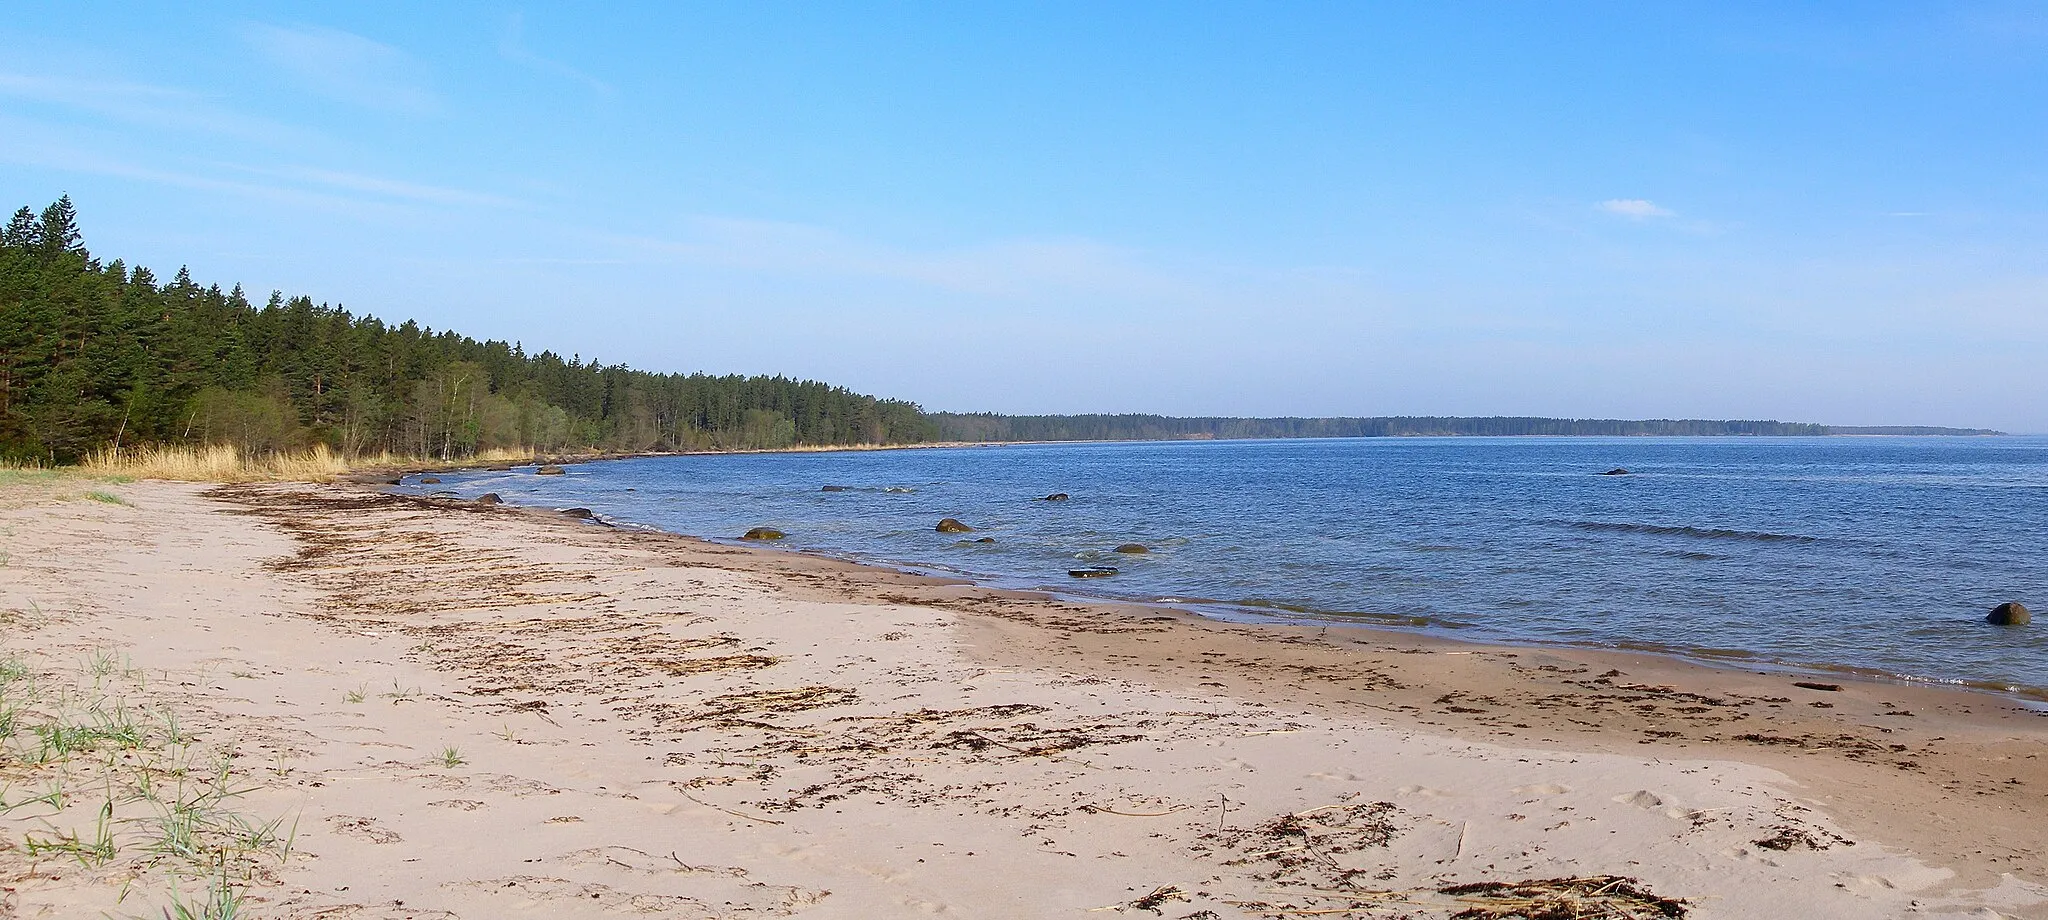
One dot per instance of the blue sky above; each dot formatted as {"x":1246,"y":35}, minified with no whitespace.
{"x":1816,"y":212}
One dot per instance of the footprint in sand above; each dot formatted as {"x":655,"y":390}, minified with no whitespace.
{"x":1641,"y":798}
{"x":458,"y":804}
{"x":363,"y":829}
{"x":1424,"y":791}
{"x":1541,"y":789}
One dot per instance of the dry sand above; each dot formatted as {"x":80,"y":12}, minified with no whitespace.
{"x":440,"y":710}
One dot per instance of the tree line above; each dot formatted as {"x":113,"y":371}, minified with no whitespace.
{"x":954,"y":426}
{"x":98,"y":354}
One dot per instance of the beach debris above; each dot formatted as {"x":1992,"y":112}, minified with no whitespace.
{"x":430,"y":480}
{"x":835,"y":489}
{"x":1093,"y":571}
{"x":763,"y":533}
{"x":549,"y":470}
{"x":1790,"y":837}
{"x":950,"y":525}
{"x":489,"y":498}
{"x":1617,"y":471}
{"x":1055,"y":497}
{"x":2010,"y":613}
{"x":1813,"y":685}
{"x":1154,"y":902}
{"x":1609,"y":896}
{"x":1133,"y":549}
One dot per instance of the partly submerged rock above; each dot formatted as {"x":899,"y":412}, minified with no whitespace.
{"x":1055,"y":497}
{"x":1133,"y":549}
{"x":430,"y":480}
{"x":2010,"y":613}
{"x":986,"y":540}
{"x":584,"y":513}
{"x":549,"y":470}
{"x":899,"y":490}
{"x":489,"y":498}
{"x":950,"y":525}
{"x":1617,"y":471}
{"x":498,"y":468}
{"x":834,"y":489}
{"x":763,"y":533}
{"x":1093,"y":571}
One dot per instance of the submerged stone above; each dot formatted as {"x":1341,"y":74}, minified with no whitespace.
{"x":1133,"y":549}
{"x":549,"y":470}
{"x":950,"y":525}
{"x":763,"y":533}
{"x":2010,"y":613}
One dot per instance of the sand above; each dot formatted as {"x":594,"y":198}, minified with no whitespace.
{"x":439,"y":710}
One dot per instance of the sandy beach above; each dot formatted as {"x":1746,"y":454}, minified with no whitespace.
{"x":329,"y":702}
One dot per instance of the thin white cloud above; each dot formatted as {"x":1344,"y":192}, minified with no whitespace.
{"x":1634,"y":208}
{"x":388,"y":188}
{"x":1010,"y":269}
{"x":512,"y":47}
{"x":345,"y":66}
{"x":159,"y":107}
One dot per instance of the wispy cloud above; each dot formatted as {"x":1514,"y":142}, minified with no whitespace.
{"x":159,"y":107}
{"x":1634,"y":208}
{"x":1008,"y":269}
{"x":345,"y":66}
{"x":386,"y":188}
{"x":512,"y":47}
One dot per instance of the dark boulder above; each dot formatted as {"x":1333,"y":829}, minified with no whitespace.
{"x":394,"y":481}
{"x":549,"y":470}
{"x":986,"y":540}
{"x":764,"y":533}
{"x":1617,"y":471}
{"x":950,"y":525}
{"x":430,"y":480}
{"x":584,"y":513}
{"x":1055,"y":497}
{"x":1093,"y":571}
{"x":498,"y":468}
{"x":1133,"y":549}
{"x":833,"y":489}
{"x":2010,"y":613}
{"x":489,"y":498}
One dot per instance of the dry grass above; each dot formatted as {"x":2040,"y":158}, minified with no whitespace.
{"x":216,"y":463}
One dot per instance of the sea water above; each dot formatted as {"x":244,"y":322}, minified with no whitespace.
{"x":1878,"y":554}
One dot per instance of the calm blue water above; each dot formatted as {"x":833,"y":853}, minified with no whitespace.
{"x":1877,"y":553}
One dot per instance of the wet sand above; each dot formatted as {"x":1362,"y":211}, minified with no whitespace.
{"x":479,"y":711}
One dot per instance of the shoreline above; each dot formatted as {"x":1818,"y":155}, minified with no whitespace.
{"x":1828,"y":726}
{"x":472,"y":711}
{"x":1254,"y":613}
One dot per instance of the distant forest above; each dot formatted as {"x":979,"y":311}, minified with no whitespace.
{"x":953,"y":426}
{"x":95,"y":355}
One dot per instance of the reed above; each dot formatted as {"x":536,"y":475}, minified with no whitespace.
{"x":215,"y":463}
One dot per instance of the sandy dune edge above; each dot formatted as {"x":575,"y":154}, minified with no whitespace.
{"x":463,"y":712}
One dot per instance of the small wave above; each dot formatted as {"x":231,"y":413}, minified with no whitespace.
{"x":1703,"y":533}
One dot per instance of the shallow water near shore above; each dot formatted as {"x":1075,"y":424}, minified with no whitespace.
{"x":1870,"y":554}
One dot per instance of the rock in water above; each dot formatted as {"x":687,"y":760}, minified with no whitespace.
{"x":549,"y":470}
{"x":1056,"y":497}
{"x":498,"y":468}
{"x":986,"y":540}
{"x":833,"y":489}
{"x":952,"y":526}
{"x":488,"y":498}
{"x":584,"y":513}
{"x":430,"y":480}
{"x":1093,"y":571}
{"x":1133,"y":549}
{"x":2010,"y":613}
{"x":763,"y":533}
{"x":1617,"y":471}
